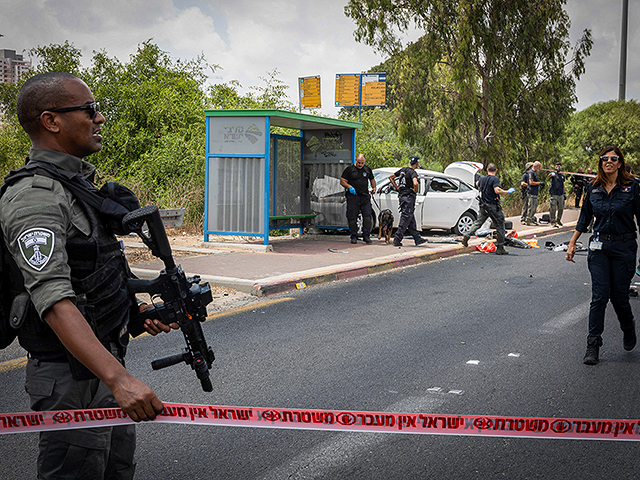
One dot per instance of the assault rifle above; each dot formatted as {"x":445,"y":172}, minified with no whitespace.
{"x":184,"y":300}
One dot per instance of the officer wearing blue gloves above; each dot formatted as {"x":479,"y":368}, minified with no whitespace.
{"x":356,"y":179}
{"x":405,"y":181}
{"x":490,"y":190}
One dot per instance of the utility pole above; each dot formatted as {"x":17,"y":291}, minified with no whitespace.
{"x":623,"y":51}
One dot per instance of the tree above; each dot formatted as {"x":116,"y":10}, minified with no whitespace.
{"x":14,"y":142}
{"x":273,"y":94}
{"x":145,"y":100}
{"x":378,"y":140}
{"x":154,"y":134}
{"x":488,"y":79}
{"x":57,"y":58}
{"x":606,"y":123}
{"x":227,"y":96}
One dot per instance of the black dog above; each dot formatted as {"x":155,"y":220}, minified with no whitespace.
{"x":385,"y":224}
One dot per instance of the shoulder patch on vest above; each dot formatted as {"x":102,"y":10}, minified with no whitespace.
{"x":40,"y":181}
{"x":36,"y":246}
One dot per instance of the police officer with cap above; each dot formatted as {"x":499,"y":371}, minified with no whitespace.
{"x":405,"y":181}
{"x":75,"y":274}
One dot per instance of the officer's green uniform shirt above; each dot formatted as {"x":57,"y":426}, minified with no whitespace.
{"x":37,"y":216}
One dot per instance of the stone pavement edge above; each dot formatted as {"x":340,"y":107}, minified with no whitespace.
{"x":316,"y":259}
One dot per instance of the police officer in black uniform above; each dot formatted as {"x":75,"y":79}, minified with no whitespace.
{"x":613,"y":199}
{"x":557,"y":196}
{"x":75,"y":274}
{"x":579,"y":183}
{"x":407,"y":186}
{"x":532,"y":193}
{"x":490,"y":207}
{"x":524,"y":195}
{"x":356,"y":179}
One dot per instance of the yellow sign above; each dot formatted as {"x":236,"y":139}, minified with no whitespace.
{"x":374,"y":89}
{"x":347,"y":89}
{"x":310,"y":92}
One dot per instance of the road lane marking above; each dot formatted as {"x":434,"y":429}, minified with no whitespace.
{"x":246,"y":308}
{"x":13,"y":364}
{"x":566,"y":319}
{"x":340,"y":449}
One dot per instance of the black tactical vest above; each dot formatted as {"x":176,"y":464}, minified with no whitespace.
{"x":99,"y":273}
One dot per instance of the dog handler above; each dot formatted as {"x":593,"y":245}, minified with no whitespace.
{"x":355,"y":179}
{"x":407,"y":187}
{"x":613,"y":198}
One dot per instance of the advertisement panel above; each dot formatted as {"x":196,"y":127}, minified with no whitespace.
{"x":236,"y":135}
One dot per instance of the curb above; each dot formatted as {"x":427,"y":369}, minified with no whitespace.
{"x":368,"y":267}
{"x":239,"y":284}
{"x":209,"y":247}
{"x":313,"y":277}
{"x":319,"y":276}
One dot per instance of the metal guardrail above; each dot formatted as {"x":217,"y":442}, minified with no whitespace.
{"x":172,"y":217}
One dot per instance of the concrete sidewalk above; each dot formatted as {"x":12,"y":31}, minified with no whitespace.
{"x":314,"y":259}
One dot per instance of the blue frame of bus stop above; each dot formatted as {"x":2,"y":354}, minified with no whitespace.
{"x":272,"y":118}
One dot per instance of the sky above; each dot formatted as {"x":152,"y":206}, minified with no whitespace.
{"x":250,"y":38}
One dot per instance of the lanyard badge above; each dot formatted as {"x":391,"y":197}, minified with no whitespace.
{"x":595,"y":244}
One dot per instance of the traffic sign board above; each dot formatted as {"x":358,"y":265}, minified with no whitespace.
{"x":310,"y":92}
{"x":347,"y":89}
{"x":374,"y":88}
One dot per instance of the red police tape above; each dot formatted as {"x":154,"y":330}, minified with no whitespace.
{"x":351,"y":421}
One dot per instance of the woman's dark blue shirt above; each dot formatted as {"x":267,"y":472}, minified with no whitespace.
{"x":613,"y":211}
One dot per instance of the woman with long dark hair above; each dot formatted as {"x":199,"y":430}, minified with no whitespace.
{"x":612,"y":200}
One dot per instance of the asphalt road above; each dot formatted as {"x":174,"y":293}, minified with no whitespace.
{"x":384,"y":343}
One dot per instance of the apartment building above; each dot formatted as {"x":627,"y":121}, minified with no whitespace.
{"x":12,"y":65}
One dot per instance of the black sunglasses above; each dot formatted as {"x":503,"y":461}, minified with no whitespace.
{"x":91,"y":108}
{"x":613,"y":158}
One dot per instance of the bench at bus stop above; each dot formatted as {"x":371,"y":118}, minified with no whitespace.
{"x":278,"y":222}
{"x":174,"y":217}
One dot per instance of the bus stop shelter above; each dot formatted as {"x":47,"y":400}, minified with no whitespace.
{"x":259,"y":177}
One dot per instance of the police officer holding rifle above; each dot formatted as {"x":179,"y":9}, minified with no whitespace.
{"x":75,"y":274}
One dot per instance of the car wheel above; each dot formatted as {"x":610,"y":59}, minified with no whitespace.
{"x":463,"y":225}
{"x":373,"y":222}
